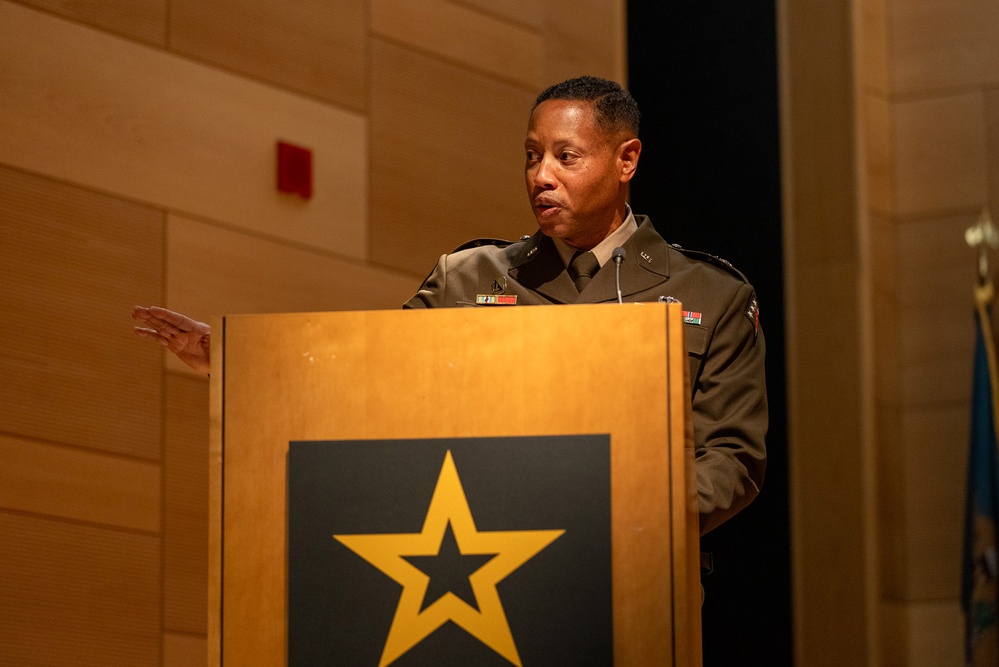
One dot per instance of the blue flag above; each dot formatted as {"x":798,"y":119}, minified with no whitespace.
{"x":980,"y":576}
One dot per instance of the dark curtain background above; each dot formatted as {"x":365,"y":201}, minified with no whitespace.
{"x":705,"y":76}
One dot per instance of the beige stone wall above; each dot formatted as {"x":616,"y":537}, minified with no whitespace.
{"x":137,"y":150}
{"x":890,"y":111}
{"x":929,"y":95}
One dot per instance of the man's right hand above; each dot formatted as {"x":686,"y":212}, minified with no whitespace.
{"x":186,"y":338}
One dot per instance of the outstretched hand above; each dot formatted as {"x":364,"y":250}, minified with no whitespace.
{"x":186,"y":338}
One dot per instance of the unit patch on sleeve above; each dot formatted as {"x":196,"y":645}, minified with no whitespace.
{"x":753,"y":313}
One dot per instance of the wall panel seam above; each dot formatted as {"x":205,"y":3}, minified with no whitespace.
{"x":80,"y":522}
{"x":186,"y":633}
{"x":103,"y":453}
{"x":502,"y":18}
{"x":928,"y":215}
{"x":84,"y":187}
{"x":931,"y":94}
{"x":85,"y":24}
{"x":519,"y":85}
{"x":269,"y":83}
{"x":288,"y":243}
{"x":194,"y":59}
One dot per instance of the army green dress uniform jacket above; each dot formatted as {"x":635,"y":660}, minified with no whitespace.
{"x":724,"y":342}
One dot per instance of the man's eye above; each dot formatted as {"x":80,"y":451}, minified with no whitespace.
{"x":566,"y":156}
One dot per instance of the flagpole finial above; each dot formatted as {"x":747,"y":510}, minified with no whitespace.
{"x":983,"y":235}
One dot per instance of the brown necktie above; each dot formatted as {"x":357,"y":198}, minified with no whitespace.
{"x":581,"y":268}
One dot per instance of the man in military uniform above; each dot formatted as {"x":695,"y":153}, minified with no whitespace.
{"x":581,"y":151}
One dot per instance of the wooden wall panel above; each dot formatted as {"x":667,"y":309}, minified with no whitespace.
{"x":830,"y":462}
{"x":820,"y":158}
{"x":936,"y":631}
{"x":925,"y":71}
{"x":943,"y":45}
{"x":478,"y":40}
{"x":872,"y":66}
{"x":936,"y":272}
{"x":579,"y":37}
{"x":576,"y":39}
{"x":827,"y":493}
{"x":518,"y":11}
{"x":446,"y":159}
{"x":921,"y":486}
{"x":185,"y":536}
{"x":78,"y":484}
{"x":938,"y":154}
{"x":77,"y":595}
{"x":893,"y":629}
{"x":934,"y":464}
{"x":119,"y":117}
{"x":72,"y":262}
{"x":184,"y":650}
{"x":892,"y":491}
{"x":878,"y":140}
{"x":927,"y":375}
{"x":885,"y":318}
{"x":928,"y":634}
{"x":315,"y":47}
{"x":144,"y":20}
{"x":214,"y":271}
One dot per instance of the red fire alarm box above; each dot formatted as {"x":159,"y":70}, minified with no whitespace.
{"x":294,"y":169}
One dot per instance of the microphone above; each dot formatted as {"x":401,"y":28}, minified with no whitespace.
{"x":618,"y":256}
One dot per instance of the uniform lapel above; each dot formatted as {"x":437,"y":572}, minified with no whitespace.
{"x":646,"y":265}
{"x":538,"y":267}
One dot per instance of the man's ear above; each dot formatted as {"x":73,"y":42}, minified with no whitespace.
{"x":627,"y":155}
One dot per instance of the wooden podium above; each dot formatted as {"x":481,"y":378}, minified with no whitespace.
{"x":455,"y":373}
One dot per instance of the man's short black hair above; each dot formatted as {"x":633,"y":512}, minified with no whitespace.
{"x":616,"y":108}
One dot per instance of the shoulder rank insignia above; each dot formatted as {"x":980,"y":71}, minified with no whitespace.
{"x":479,"y":243}
{"x":714,"y":260}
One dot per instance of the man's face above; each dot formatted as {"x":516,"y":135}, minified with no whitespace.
{"x":575,"y":173}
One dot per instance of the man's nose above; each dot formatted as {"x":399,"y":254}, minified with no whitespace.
{"x":544,"y":176}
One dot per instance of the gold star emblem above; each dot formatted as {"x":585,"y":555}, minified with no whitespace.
{"x":387,"y":552}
